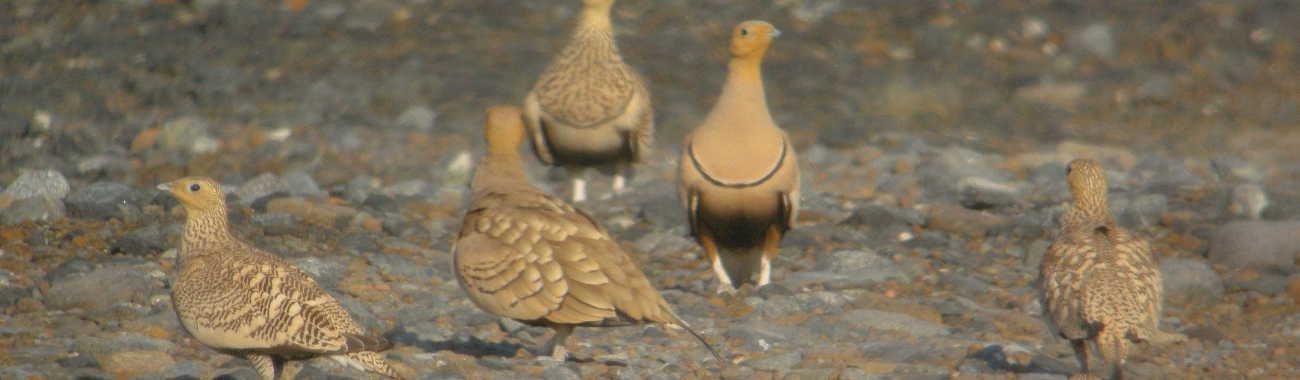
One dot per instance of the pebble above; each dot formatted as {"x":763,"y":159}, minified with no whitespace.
{"x":40,"y":209}
{"x":143,"y":241}
{"x":779,"y":362}
{"x":125,"y":365}
{"x":884,"y":320}
{"x":1243,"y":244}
{"x":1190,"y":283}
{"x":105,"y":200}
{"x":187,"y":134}
{"x":418,"y":118}
{"x":33,"y":183}
{"x":100,"y":289}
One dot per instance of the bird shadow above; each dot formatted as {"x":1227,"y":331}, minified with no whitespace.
{"x":472,"y":346}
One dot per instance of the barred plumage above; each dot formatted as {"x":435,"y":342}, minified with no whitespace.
{"x":588,"y":108}
{"x":1100,"y":283}
{"x":245,"y":302}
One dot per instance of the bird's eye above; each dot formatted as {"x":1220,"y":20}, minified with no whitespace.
{"x":744,"y":32}
{"x":194,"y":187}
{"x":1068,"y":170}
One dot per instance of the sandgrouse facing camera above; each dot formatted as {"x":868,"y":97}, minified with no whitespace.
{"x":245,"y":302}
{"x":737,"y":176}
{"x":1100,"y":283}
{"x":588,"y":108}
{"x":528,"y":256}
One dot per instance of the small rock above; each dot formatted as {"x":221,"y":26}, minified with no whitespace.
{"x":1098,"y":39}
{"x":10,"y":295}
{"x":1242,"y":244}
{"x":418,"y":118}
{"x":40,"y":209}
{"x":858,"y":374}
{"x":779,"y":362}
{"x":1157,"y":89}
{"x":126,"y":342}
{"x":978,"y":194}
{"x":126,"y":365}
{"x":962,"y":221}
{"x":79,"y":360}
{"x":100,"y":289}
{"x":880,"y":217}
{"x":1189,"y":282}
{"x":187,"y":134}
{"x":32,"y":183}
{"x":884,"y":320}
{"x":562,"y":372}
{"x":140,"y":242}
{"x":1248,"y":200}
{"x":322,"y":215}
{"x":105,"y":200}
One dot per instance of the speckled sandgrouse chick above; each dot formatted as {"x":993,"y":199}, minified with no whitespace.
{"x":588,"y":108}
{"x":738,"y":177}
{"x":1100,"y":283}
{"x":245,"y":302}
{"x":528,"y":256}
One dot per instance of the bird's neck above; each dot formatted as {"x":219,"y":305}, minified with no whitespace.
{"x":498,"y":169}
{"x":1086,"y":211}
{"x":743,"y":94}
{"x":594,"y":22}
{"x":202,"y":230}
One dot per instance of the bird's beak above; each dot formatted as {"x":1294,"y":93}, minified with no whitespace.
{"x":774,"y":33}
{"x":164,"y":187}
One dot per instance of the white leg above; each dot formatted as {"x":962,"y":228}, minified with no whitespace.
{"x":765,"y":272}
{"x":724,"y":281}
{"x":579,"y":190}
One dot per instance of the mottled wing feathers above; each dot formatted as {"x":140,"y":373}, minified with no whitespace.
{"x":533,"y":258}
{"x":254,"y":300}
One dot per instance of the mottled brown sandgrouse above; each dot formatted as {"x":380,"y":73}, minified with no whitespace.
{"x":1100,"y":283}
{"x":738,"y":177}
{"x":588,"y":108}
{"x":528,"y":256}
{"x":245,"y":302}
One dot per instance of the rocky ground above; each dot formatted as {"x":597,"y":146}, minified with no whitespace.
{"x":932,"y":135}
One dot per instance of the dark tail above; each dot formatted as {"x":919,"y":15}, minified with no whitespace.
{"x":701,"y":339}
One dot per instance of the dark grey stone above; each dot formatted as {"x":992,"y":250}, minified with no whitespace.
{"x":880,"y":217}
{"x":143,"y":241}
{"x":100,"y":289}
{"x":980,"y":194}
{"x":105,"y":200}
{"x":9,"y":295}
{"x":128,"y":342}
{"x":82,"y":360}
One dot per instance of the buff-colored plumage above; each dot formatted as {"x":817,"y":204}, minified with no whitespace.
{"x":588,"y":108}
{"x":1100,"y":283}
{"x":738,"y":177}
{"x":245,"y":302}
{"x":525,"y":255}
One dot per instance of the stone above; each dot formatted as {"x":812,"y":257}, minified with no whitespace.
{"x":880,"y":217}
{"x":10,"y":295}
{"x":104,"y":201}
{"x":187,"y":134}
{"x":1248,"y":201}
{"x":127,"y":364}
{"x":779,"y":362}
{"x":143,"y":241}
{"x":33,"y":183}
{"x":93,"y":345}
{"x":1190,"y":283}
{"x":562,"y":372}
{"x":100,"y":288}
{"x":884,"y":320}
{"x":419,"y":118}
{"x":1244,"y":244}
{"x":321,"y":215}
{"x":1097,"y":38}
{"x":1236,"y":170}
{"x":962,"y":221}
{"x":847,"y":269}
{"x":979,"y":194}
{"x":40,"y":209}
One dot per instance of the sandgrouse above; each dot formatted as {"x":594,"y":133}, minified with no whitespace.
{"x":588,"y":108}
{"x":245,"y":302}
{"x":1099,"y":282}
{"x":738,"y":177}
{"x":528,"y":256}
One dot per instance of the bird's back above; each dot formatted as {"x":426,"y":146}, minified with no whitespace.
{"x":1101,"y":275}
